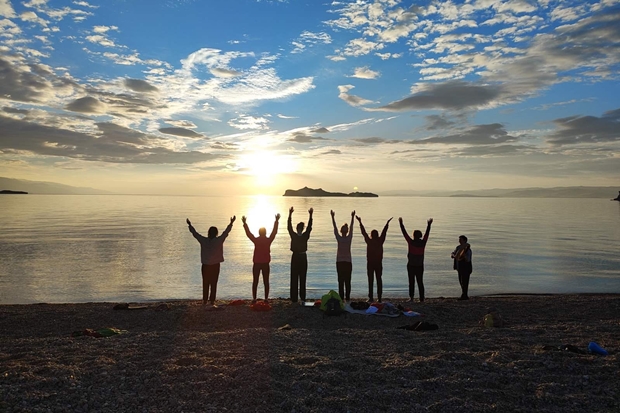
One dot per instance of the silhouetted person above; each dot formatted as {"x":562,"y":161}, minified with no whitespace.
{"x":211,"y":255}
{"x":262,"y":255}
{"x":462,"y":264}
{"x":415,"y":256}
{"x":299,"y":259}
{"x":374,"y":257}
{"x":344,"y":265}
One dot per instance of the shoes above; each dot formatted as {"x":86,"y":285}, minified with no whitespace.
{"x":421,"y":300}
{"x":370,"y":300}
{"x":254,"y":301}
{"x":462,"y":298}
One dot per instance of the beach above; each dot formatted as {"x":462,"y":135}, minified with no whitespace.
{"x":185,"y":357}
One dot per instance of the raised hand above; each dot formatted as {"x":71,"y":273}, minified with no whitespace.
{"x":278,"y":216}
{"x":234,"y":217}
{"x":388,"y":221}
{"x":188,"y":221}
{"x":358,"y":218}
{"x":243,"y":219}
{"x":332,"y":213}
{"x":353,"y":213}
{"x":400,"y":219}
{"x":430,"y":220}
{"x":310,"y":211}
{"x":291,"y":210}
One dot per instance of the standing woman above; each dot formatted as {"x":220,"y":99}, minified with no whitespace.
{"x":415,"y":256}
{"x":299,"y":259}
{"x":374,"y":257}
{"x":462,"y":264}
{"x":344,"y":265}
{"x":262,"y":255}
{"x":211,"y":255}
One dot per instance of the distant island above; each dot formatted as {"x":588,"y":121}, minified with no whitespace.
{"x":309,"y":192}
{"x":9,"y":192}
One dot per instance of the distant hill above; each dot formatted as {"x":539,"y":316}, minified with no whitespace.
{"x":607,"y":192}
{"x":46,"y":188}
{"x":9,"y":192}
{"x":309,"y":192}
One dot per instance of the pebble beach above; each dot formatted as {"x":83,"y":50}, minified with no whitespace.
{"x":184,"y":357}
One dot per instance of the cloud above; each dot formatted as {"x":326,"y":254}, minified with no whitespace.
{"x":109,"y":143}
{"x":309,"y":39}
{"x":365,"y":73}
{"x":87,"y":104}
{"x":320,"y":130}
{"x":104,"y":29}
{"x":286,"y":117}
{"x":227,"y":73}
{"x":31,"y":17}
{"x":332,"y":152}
{"x":360,"y":47}
{"x":434,"y":122}
{"x":490,"y":134}
{"x":15,"y":110}
{"x":139,"y":85}
{"x":370,"y":141}
{"x":249,"y":122}
{"x":187,"y":124}
{"x":491,"y":150}
{"x":586,"y":129}
{"x":351,"y":99}
{"x":187,"y":133}
{"x":100,"y":40}
{"x":301,"y":137}
{"x":6,"y":10}
{"x":85,"y":4}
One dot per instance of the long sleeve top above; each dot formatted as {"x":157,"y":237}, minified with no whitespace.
{"x":344,"y":243}
{"x":211,"y":249}
{"x":462,"y":255}
{"x":262,"y":245}
{"x":299,"y":243}
{"x":416,"y":246}
{"x":374,"y":246}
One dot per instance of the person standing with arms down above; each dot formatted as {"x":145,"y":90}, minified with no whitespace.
{"x":415,"y":256}
{"x":374,"y":257}
{"x":211,"y":255}
{"x":462,"y":264}
{"x":262,"y":255}
{"x":299,"y":259}
{"x":344,"y":265}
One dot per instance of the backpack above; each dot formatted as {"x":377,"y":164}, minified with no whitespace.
{"x":332,"y":307}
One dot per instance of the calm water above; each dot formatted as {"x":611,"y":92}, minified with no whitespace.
{"x":137,"y":248}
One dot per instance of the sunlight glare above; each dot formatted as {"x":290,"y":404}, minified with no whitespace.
{"x":266,"y":166}
{"x":262,"y":213}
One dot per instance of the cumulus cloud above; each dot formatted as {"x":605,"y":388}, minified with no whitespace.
{"x":186,"y":133}
{"x":351,"y":99}
{"x":139,"y":85}
{"x":365,"y":73}
{"x":309,"y":39}
{"x":87,"y":104}
{"x":100,"y":40}
{"x":249,"y":122}
{"x":491,"y":134}
{"x":109,"y":143}
{"x":574,"y":130}
{"x":300,"y":137}
{"x":6,"y":10}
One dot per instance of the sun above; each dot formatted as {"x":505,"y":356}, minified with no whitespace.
{"x":266,"y":166}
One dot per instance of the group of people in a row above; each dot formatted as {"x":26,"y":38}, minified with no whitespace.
{"x":212,"y":254}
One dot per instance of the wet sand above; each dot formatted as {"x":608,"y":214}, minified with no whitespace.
{"x":193,"y":360}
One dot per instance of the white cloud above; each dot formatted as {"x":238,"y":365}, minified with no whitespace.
{"x":351,"y":99}
{"x":6,"y":10}
{"x":104,"y":29}
{"x":359,"y":47}
{"x":101,"y":40}
{"x":365,"y":73}
{"x":244,"y":122}
{"x":31,"y":17}
{"x":309,"y":39}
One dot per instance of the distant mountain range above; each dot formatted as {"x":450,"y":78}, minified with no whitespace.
{"x":46,"y":188}
{"x":608,"y":192}
{"x":309,"y":192}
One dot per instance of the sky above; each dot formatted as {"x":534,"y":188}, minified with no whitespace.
{"x":236,"y":97}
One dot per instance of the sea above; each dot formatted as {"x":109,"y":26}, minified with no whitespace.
{"x":129,"y":248}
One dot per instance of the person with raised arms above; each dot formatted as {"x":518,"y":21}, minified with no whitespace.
{"x":211,"y":255}
{"x":344,"y":265}
{"x":299,"y":259}
{"x":415,"y":257}
{"x":262,"y":255}
{"x":374,"y":257}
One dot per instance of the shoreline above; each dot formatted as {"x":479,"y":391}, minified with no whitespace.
{"x":292,"y":358}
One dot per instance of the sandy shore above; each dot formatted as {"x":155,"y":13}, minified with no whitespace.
{"x":192,"y":360}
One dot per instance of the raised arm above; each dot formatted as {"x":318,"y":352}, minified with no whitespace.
{"x":289,"y":223}
{"x":228,"y":228}
{"x":309,"y":227}
{"x":364,"y":234}
{"x":428,"y":229}
{"x":385,"y":229}
{"x":351,"y":226}
{"x":247,"y":230}
{"x":403,"y":230}
{"x":193,"y":230}
{"x":274,"y":231}
{"x":333,"y":214}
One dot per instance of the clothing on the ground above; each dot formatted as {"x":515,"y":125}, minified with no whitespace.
{"x":211,"y":249}
{"x":262,"y":245}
